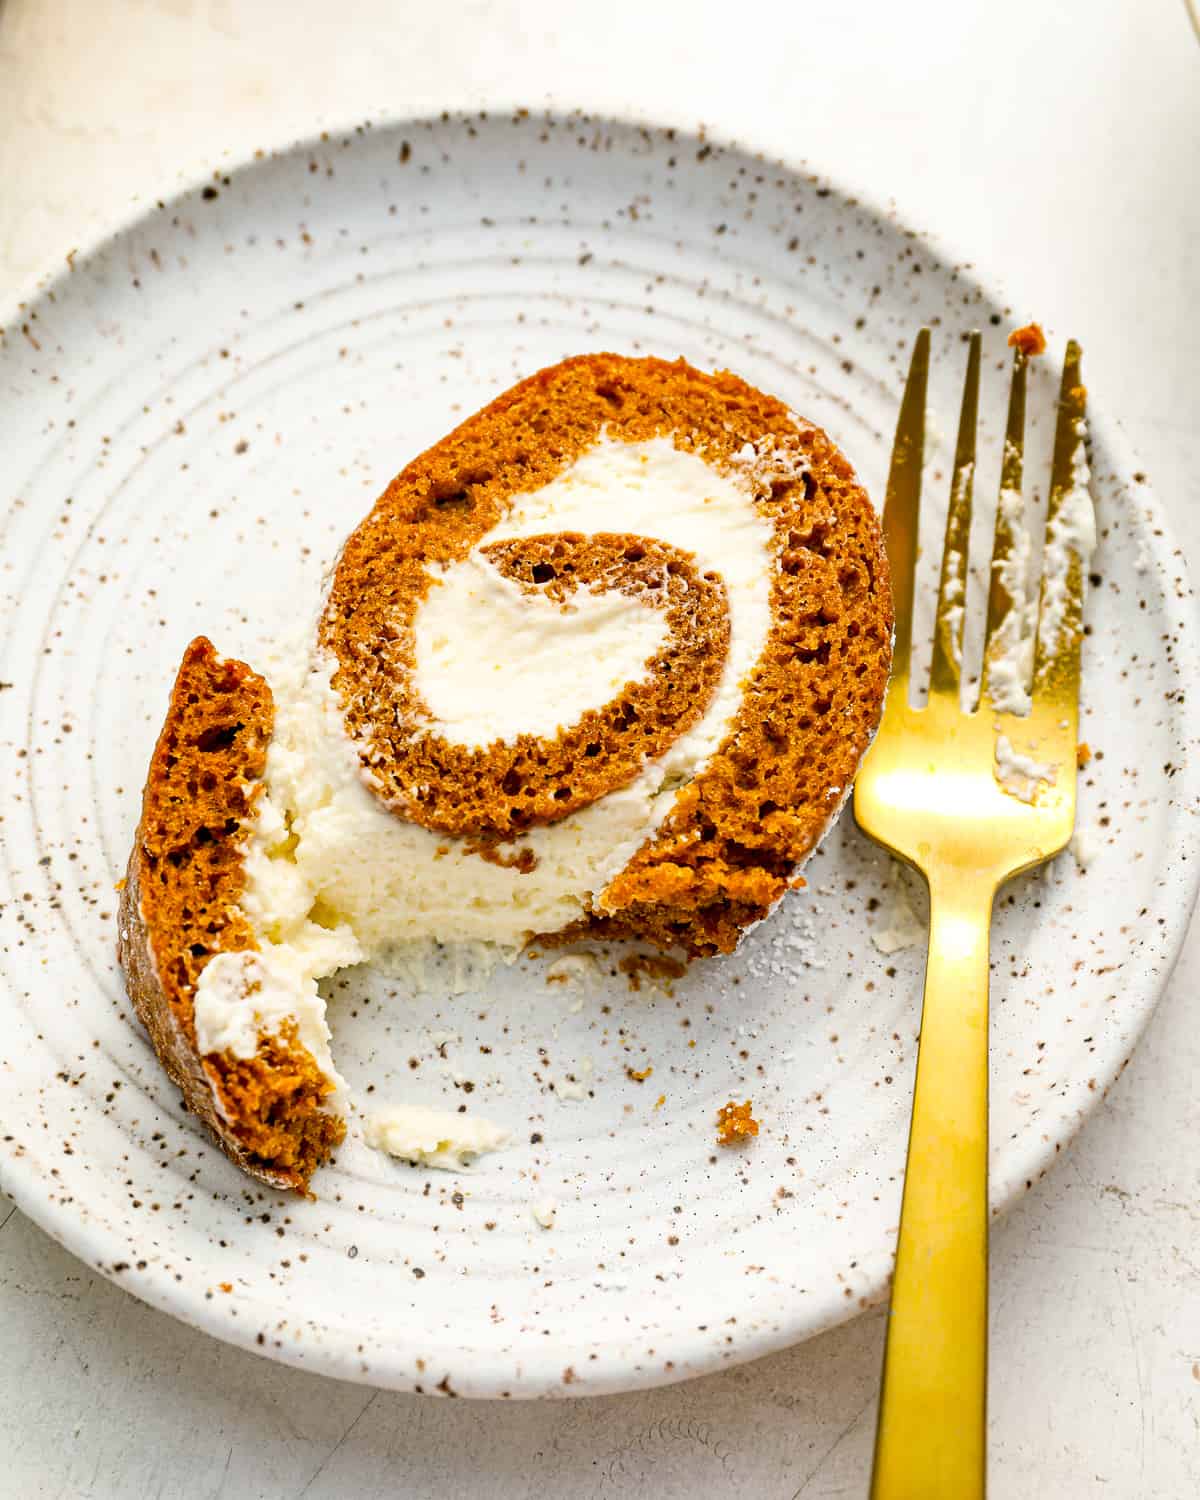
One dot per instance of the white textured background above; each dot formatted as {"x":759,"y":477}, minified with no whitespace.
{"x":1060,"y":145}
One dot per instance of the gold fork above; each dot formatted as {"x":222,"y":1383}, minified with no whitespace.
{"x":930,"y":791}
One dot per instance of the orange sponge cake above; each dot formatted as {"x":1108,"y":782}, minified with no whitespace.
{"x":180,"y":907}
{"x":603,"y":661}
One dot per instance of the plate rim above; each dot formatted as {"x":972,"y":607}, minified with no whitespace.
{"x":335,"y":1357}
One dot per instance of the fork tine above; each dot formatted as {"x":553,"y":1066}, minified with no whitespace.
{"x":1008,"y":642}
{"x":1070,"y":538}
{"x":952,"y":590}
{"x":902,"y":506}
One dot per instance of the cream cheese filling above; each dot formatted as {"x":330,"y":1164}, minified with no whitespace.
{"x":1070,"y":537}
{"x":1037,"y":616}
{"x":433,"y":1137}
{"x":494,"y":661}
{"x":243,"y":995}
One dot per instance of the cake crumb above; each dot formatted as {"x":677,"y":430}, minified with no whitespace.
{"x":639,"y":1075}
{"x":1083,"y":754}
{"x":735,"y":1123}
{"x":1020,"y":775}
{"x":1084,"y":845}
{"x":899,"y":926}
{"x":1030,"y":340}
{"x":660,"y":1101}
{"x":544,"y":1211}
{"x":656,"y":968}
{"x":574,"y":968}
{"x":573,"y":1086}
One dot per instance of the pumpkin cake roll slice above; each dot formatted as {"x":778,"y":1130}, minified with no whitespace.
{"x":600,"y":663}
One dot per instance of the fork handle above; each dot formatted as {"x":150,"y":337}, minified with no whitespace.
{"x":930,"y":1441}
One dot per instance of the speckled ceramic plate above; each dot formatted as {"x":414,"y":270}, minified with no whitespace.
{"x":191,"y":416}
